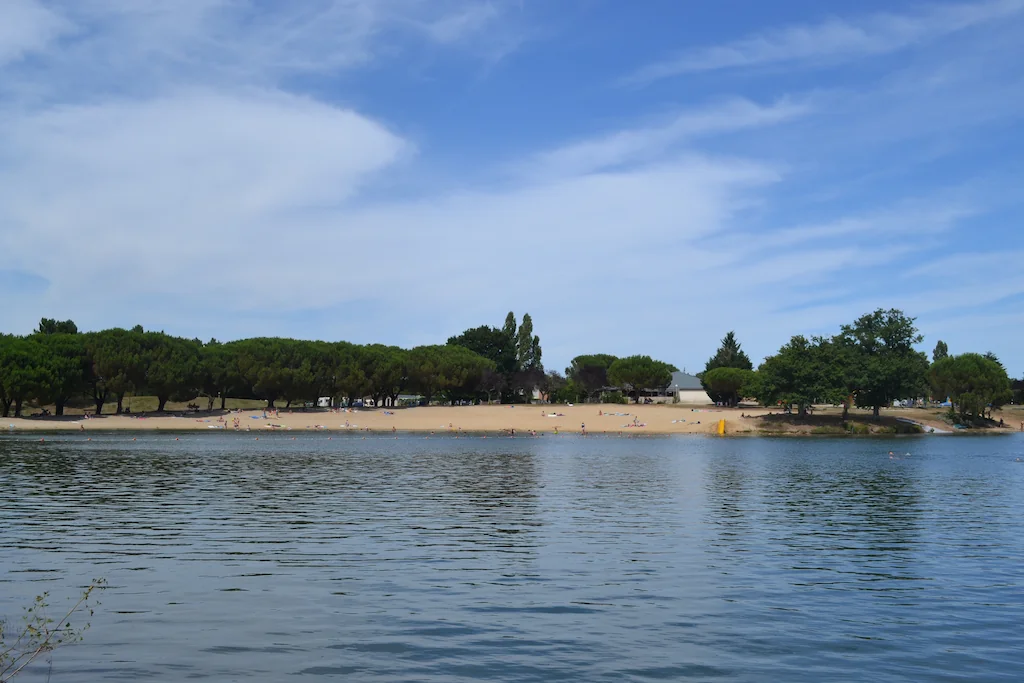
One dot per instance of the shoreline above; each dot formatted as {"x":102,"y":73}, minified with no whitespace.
{"x":524,"y":419}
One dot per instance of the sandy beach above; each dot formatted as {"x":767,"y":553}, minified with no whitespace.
{"x":546,"y":419}
{"x":542,"y":419}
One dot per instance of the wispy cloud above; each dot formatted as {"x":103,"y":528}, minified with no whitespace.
{"x":834,"y":40}
{"x":648,"y":143}
{"x":129,"y":46}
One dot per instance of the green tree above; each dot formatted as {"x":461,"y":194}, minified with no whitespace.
{"x":491,"y":343}
{"x":116,"y":365}
{"x":65,"y":362}
{"x":51,"y":326}
{"x":892,"y":369}
{"x":590,"y":373}
{"x":941,"y":351}
{"x":638,"y":373}
{"x":528,"y":351}
{"x":729,"y":384}
{"x":972,"y":382}
{"x":173,"y":367}
{"x":802,"y":373}
{"x":22,"y":374}
{"x":386,"y":371}
{"x":218,"y":372}
{"x":454,"y":370}
{"x":729,"y":355}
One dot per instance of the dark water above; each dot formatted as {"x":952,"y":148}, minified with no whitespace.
{"x":545,"y":559}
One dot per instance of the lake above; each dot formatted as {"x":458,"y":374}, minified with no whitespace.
{"x":547,"y":559}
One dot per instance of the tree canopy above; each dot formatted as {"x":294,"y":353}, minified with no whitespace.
{"x":802,"y":373}
{"x":636,"y":374}
{"x":515,"y":352}
{"x":973,"y":382}
{"x":728,"y":384}
{"x":890,"y":368}
{"x":590,"y":372}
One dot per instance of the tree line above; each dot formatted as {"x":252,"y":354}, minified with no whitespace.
{"x":57,"y":365}
{"x":870,"y":363}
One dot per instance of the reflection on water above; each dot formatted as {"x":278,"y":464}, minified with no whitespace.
{"x":522,"y":559}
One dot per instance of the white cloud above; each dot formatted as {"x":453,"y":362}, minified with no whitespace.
{"x":163,"y":187}
{"x":651,"y":142}
{"x":834,"y":40}
{"x":26,"y":27}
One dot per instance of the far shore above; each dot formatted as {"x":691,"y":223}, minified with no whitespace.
{"x":523,"y":419}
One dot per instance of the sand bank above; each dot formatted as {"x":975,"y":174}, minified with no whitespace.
{"x":542,"y":419}
{"x":599,"y":419}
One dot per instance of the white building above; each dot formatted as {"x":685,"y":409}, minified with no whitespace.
{"x":687,"y":389}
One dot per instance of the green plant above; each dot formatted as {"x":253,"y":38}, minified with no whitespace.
{"x":613,"y":397}
{"x":40,"y":634}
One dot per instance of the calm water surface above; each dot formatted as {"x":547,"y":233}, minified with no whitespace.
{"x":556,"y":558}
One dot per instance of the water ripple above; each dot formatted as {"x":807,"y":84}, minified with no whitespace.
{"x":522,"y":559}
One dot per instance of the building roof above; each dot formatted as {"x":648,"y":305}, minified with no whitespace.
{"x":682,"y":381}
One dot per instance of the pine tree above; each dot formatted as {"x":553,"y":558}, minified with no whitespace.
{"x":729,"y":355}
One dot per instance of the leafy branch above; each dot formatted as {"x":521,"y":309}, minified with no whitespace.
{"x":40,"y":634}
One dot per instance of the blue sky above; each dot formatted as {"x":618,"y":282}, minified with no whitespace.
{"x":641,"y":177}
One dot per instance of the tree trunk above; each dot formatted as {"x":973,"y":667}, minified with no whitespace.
{"x":6,"y":407}
{"x":846,"y":410}
{"x":120,"y":404}
{"x":223,"y":401}
{"x":802,"y":410}
{"x":875,"y":412}
{"x":209,"y":404}
{"x":17,"y":407}
{"x":270,"y":404}
{"x":58,"y":407}
{"x":100,"y":400}
{"x":161,"y":401}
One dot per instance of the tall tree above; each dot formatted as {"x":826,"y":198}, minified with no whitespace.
{"x":729,"y":355}
{"x":21,"y":372}
{"x":510,"y":327}
{"x":636,"y":374}
{"x":893,"y":369}
{"x":116,"y":365}
{"x":218,"y":372}
{"x":527,"y":345}
{"x":64,"y":359}
{"x":941,"y":351}
{"x":172,"y":367}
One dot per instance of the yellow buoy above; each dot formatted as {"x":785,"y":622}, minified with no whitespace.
{"x":721,"y":427}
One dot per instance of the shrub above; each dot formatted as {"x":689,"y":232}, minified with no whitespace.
{"x":613,"y":397}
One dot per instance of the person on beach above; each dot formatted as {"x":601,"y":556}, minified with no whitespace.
{"x":583,"y":428}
